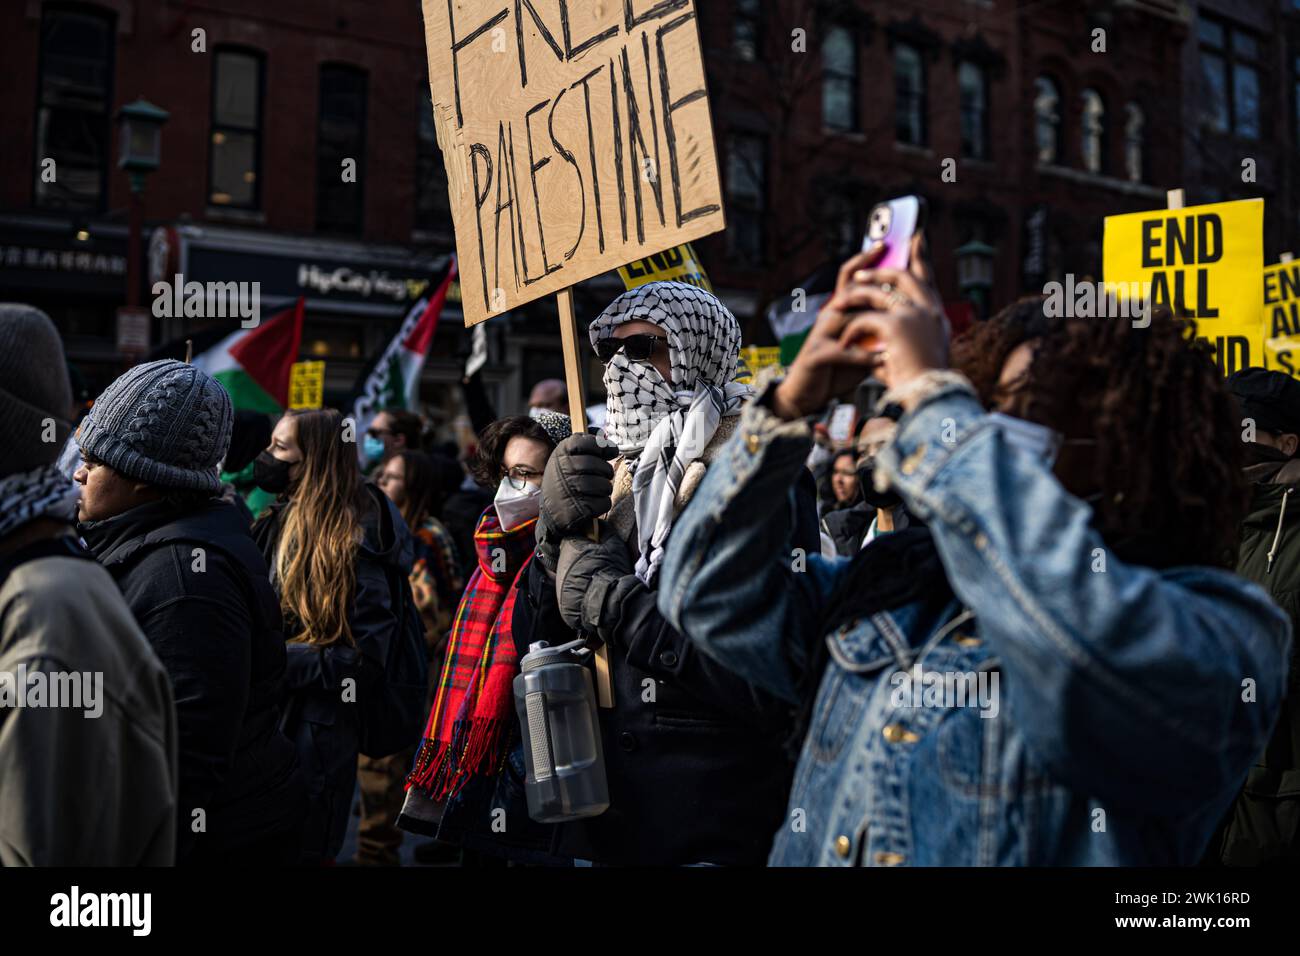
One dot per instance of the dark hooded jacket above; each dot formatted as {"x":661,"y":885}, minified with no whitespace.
{"x":1263,"y":826}
{"x":697,"y":770}
{"x":323,"y":725}
{"x":198,"y":587}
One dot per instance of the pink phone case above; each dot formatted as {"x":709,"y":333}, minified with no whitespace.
{"x":894,"y":223}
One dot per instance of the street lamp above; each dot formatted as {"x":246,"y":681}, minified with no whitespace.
{"x":975,"y":274}
{"x":140,"y":151}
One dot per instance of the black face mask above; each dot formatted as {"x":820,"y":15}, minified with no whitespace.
{"x":271,"y":474}
{"x":867,"y":486}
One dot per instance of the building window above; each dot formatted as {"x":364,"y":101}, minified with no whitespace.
{"x":1094,"y":132}
{"x":1230,"y":100}
{"x":840,"y":80}
{"x":1134,"y":136}
{"x":973,"y":84}
{"x":74,"y":97}
{"x":747,"y":30}
{"x":1047,"y":120}
{"x":432,"y":204}
{"x":909,"y":95}
{"x":236,"y":146}
{"x":746,"y":196}
{"x":340,"y":149}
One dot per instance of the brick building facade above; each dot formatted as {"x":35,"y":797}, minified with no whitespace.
{"x":821,"y":107}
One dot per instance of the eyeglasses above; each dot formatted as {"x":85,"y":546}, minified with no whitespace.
{"x":639,"y":348}
{"x":378,"y":432}
{"x":520,"y":475}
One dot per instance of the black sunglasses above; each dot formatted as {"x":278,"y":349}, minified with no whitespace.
{"x":639,"y":348}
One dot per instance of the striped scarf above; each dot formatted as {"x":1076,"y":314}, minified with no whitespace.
{"x":472,"y":710}
{"x":43,"y":492}
{"x":669,"y":424}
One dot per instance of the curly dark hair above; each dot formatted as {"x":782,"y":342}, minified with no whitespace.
{"x":1167,"y":461}
{"x":489,"y":459}
{"x":980,"y":352}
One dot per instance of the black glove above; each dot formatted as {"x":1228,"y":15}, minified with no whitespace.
{"x":577,"y":486}
{"x":586,"y":579}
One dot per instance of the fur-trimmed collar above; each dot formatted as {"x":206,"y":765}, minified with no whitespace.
{"x":694,"y":473}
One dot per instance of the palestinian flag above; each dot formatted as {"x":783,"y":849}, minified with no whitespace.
{"x":253,"y":364}
{"x":792,"y":316}
{"x":394,"y":380}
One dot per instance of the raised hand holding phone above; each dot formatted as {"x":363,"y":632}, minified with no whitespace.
{"x":884,"y":321}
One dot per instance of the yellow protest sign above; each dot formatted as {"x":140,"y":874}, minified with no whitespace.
{"x":677,"y":264}
{"x":754,"y":358}
{"x":1281,"y":332}
{"x":1204,"y":262}
{"x":306,"y":385}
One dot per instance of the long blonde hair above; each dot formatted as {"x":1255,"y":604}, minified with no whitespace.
{"x":315,"y":562}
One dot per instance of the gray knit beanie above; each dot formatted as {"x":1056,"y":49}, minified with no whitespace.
{"x":34,"y":390}
{"x":165,"y":423}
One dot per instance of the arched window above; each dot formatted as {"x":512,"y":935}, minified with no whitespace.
{"x":840,"y":79}
{"x":235,"y":150}
{"x":74,"y":100}
{"x":909,"y":95}
{"x":340,"y":135}
{"x":972,"y":83}
{"x":1047,"y":120}
{"x":1134,"y":134}
{"x":1094,"y":132}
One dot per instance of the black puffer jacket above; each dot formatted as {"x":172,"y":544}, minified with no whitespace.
{"x":198,"y":587}
{"x":696,"y":768}
{"x":324,"y":728}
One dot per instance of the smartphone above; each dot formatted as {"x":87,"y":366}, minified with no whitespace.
{"x":894,"y":223}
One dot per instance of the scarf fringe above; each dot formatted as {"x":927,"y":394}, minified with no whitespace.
{"x":442,"y":770}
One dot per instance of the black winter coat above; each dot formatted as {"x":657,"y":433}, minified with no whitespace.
{"x":214,"y":622}
{"x":324,"y":728}
{"x":698,"y":774}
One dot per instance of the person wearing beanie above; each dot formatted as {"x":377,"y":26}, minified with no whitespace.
{"x":1260,"y":827}
{"x":89,"y":781}
{"x":198,"y":586}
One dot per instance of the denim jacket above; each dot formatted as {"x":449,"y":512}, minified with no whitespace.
{"x":1128,"y":706}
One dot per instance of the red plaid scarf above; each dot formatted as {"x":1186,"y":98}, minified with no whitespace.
{"x":473,"y":707}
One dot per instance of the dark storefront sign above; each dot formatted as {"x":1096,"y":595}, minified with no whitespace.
{"x":332,"y":276}
{"x":34,"y":260}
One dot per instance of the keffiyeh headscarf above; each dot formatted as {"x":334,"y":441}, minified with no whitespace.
{"x":44,"y":492}
{"x":668,"y":424}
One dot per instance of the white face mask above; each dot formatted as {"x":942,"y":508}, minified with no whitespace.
{"x":516,"y":507}
{"x":1038,"y":440}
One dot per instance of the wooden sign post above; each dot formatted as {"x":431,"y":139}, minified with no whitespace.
{"x":576,"y":382}
{"x":577,"y":139}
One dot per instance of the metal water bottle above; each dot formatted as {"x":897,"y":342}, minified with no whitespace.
{"x":556,"y":703}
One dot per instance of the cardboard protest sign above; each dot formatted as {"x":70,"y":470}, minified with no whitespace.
{"x":678,"y":264}
{"x":577,"y":138}
{"x":1203,"y":262}
{"x":1281,"y":331}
